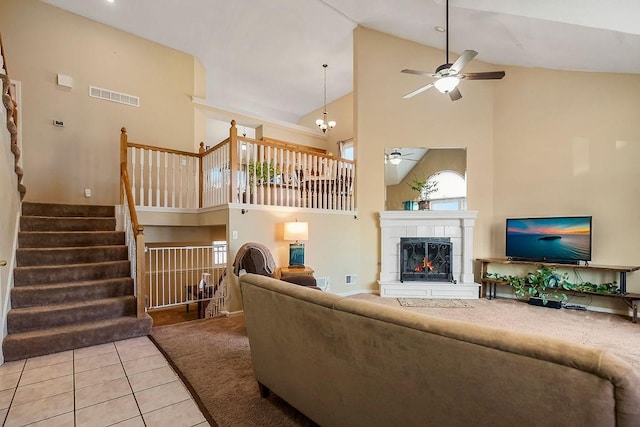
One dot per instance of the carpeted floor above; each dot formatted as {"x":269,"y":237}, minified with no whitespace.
{"x":213,"y":355}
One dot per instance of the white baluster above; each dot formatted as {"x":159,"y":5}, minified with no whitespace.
{"x":150,"y":184}
{"x":142,"y":198}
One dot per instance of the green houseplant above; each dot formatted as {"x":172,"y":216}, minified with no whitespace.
{"x":423,"y":188}
{"x":537,"y":284}
{"x":262,"y":172}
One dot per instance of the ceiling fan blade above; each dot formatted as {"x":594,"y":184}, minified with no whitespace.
{"x":417,"y":91}
{"x":466,"y":56}
{"x":455,"y":94}
{"x":417,"y":72}
{"x":489,"y":75}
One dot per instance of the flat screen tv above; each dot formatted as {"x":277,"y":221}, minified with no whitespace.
{"x":562,"y":239}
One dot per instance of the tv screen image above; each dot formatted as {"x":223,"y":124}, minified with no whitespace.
{"x":553,"y":239}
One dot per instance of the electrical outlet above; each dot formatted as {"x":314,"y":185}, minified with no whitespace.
{"x":87,"y":192}
{"x":58,"y":123}
{"x":350,"y":279}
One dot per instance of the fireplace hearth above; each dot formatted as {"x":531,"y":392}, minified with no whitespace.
{"x":427,"y":254}
{"x":425,"y":259}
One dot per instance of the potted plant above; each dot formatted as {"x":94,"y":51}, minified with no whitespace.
{"x":262,"y":172}
{"x":537,"y":284}
{"x":423,"y":188}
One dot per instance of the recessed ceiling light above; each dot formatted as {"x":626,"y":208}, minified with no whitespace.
{"x":439,"y":29}
{"x":110,"y":1}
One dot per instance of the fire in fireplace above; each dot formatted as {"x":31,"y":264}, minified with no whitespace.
{"x":425,"y":259}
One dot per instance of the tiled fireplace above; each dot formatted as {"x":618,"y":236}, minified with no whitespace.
{"x":427,"y":254}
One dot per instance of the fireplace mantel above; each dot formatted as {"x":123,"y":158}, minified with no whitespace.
{"x":456,"y":225}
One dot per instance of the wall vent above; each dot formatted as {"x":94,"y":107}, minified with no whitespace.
{"x":110,"y":95}
{"x":350,"y":279}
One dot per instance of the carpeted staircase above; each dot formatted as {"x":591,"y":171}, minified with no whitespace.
{"x":72,"y":284}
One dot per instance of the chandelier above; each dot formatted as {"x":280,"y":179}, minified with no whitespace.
{"x":322,"y":123}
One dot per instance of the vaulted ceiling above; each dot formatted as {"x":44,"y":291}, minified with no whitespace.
{"x":264,"y":57}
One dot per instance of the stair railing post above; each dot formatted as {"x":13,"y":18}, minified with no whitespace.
{"x":233,"y":163}
{"x":123,"y":157}
{"x":142,"y":299}
{"x":201,"y":173}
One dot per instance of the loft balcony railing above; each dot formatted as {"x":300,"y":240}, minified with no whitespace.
{"x":239,"y":170}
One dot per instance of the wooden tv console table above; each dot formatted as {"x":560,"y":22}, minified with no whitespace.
{"x":630,"y":299}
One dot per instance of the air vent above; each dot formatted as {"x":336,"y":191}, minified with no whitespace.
{"x":110,"y":95}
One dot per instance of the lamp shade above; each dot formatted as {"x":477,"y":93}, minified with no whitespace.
{"x":296,"y":231}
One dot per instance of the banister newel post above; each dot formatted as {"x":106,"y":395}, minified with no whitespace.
{"x":233,"y":163}
{"x":201,"y":151}
{"x":123,"y":157}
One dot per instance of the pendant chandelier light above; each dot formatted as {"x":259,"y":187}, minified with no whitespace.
{"x":323,"y":123}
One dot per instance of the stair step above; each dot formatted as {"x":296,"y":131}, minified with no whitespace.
{"x":48,"y":316}
{"x":70,"y":273}
{"x":60,"y":293}
{"x":56,"y":209}
{"x":72,"y":255}
{"x":52,"y":223}
{"x":61,"y":338}
{"x":50,"y":239}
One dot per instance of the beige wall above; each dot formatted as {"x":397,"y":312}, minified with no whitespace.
{"x":332,"y":249}
{"x":312,"y":137}
{"x":42,"y":41}
{"x":568,"y":143}
{"x":435,"y":160}
{"x":383,"y":119}
{"x":340,"y":110}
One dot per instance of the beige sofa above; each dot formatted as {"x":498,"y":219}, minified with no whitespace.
{"x":348,"y":362}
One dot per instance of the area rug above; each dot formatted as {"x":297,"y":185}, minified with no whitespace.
{"x":212,"y":357}
{"x":433,"y":302}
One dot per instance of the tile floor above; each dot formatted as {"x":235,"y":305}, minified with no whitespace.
{"x":125,"y":383}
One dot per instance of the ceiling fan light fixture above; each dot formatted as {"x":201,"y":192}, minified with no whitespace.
{"x":446,"y":84}
{"x":395,"y":158}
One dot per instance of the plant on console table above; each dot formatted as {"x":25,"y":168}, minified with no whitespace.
{"x":537,"y":284}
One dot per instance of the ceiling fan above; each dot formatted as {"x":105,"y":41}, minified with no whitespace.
{"x":395,"y":157}
{"x":448,"y":75}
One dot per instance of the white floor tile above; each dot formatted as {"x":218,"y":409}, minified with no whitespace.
{"x":43,"y":389}
{"x":99,"y":382}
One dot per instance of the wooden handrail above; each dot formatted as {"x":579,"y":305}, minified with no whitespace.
{"x":289,"y":145}
{"x":138,"y":229}
{"x":4,"y":58}
{"x":6,"y":71}
{"x":162,"y":150}
{"x":214,"y":148}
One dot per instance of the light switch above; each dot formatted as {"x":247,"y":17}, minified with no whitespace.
{"x":64,"y":80}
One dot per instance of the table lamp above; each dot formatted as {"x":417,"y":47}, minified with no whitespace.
{"x":296,"y":231}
